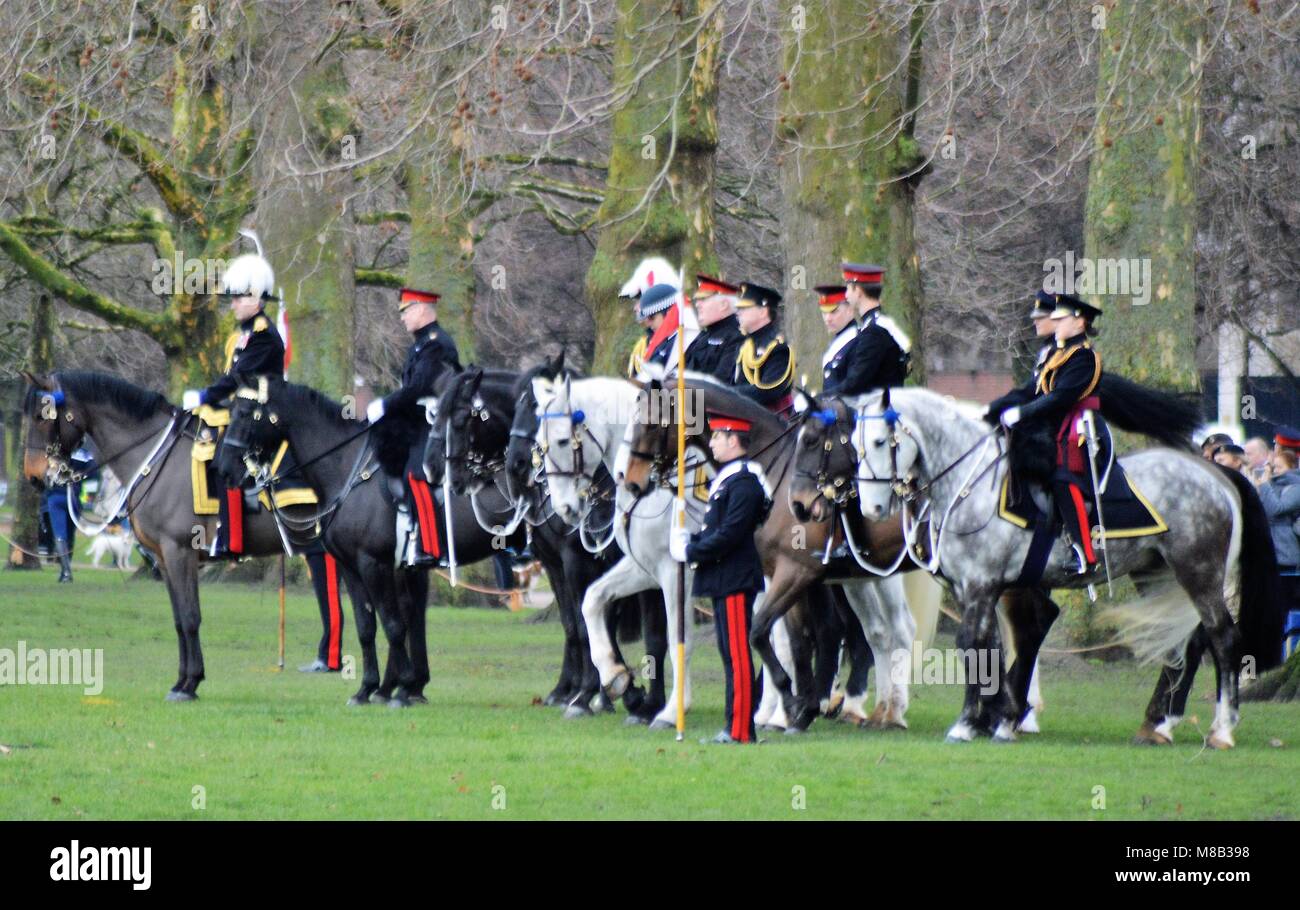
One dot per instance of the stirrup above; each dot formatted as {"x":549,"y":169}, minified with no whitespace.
{"x":1083,"y":559}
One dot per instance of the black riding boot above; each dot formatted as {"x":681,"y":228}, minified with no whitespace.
{"x":65,"y":566}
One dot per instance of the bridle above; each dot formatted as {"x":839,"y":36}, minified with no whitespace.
{"x":590,"y":494}
{"x":479,"y":467}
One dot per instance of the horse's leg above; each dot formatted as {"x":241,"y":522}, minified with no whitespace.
{"x":852,"y":707}
{"x":801,"y":628}
{"x":890,"y":630}
{"x":782,"y":591}
{"x":829,"y":630}
{"x":624,"y":579}
{"x":654,"y":630}
{"x":382,"y":587}
{"x":566,"y":604}
{"x":182,"y":570}
{"x":1169,"y":700}
{"x":1204,"y":583}
{"x":771,"y":712}
{"x":414,"y":593}
{"x":182,"y":644}
{"x":578,"y":570}
{"x":1029,"y":615}
{"x":978,"y":631}
{"x":363,"y":616}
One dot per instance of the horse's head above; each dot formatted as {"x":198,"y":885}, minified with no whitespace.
{"x":568,"y":456}
{"x":55,"y":426}
{"x":650,"y":443}
{"x":453,"y":438}
{"x":258,"y":426}
{"x":887,"y":453}
{"x":523,"y":455}
{"x":824,"y":461}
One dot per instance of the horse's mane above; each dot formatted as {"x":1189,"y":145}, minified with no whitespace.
{"x":297,"y":398}
{"x":525,"y":379}
{"x":736,"y":404}
{"x":104,"y":388}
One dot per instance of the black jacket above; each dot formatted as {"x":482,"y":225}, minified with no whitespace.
{"x":1070,"y":374}
{"x":255,"y":350}
{"x":764,"y":367}
{"x":432,"y":353}
{"x":714,"y":350}
{"x":1022,"y":394}
{"x":723,"y":551}
{"x":875,"y":359}
{"x":661,"y":353}
{"x":835,"y":370}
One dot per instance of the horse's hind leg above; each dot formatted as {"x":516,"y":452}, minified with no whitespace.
{"x":182,"y":574}
{"x":414,"y":596}
{"x":643,"y":705}
{"x":574,"y":656}
{"x":382,"y":588}
{"x":852,"y":707}
{"x":1204,"y":583}
{"x":363,"y":615}
{"x":782,"y":592}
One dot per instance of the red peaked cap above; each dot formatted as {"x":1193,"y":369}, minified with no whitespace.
{"x":863,"y":273}
{"x":829,"y":296}
{"x":411,"y":295}
{"x":707,"y":287}
{"x":1287,"y":437}
{"x":725,"y":423}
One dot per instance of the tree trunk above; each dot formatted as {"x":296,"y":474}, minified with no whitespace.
{"x":847,"y":149}
{"x":1281,"y":684}
{"x":305,"y":223}
{"x":27,"y":501}
{"x":1142,"y":186}
{"x":660,"y":186}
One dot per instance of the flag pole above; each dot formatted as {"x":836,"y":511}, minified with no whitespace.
{"x":679,"y":680}
{"x":282,"y":573}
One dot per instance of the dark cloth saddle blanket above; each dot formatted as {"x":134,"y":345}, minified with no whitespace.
{"x":1125,"y":511}
{"x":209,"y":428}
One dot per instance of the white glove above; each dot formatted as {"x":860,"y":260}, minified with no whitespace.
{"x":677,"y":541}
{"x":1011,"y":417}
{"x":375,"y":410}
{"x":191,"y":399}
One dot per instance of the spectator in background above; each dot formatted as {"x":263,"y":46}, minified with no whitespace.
{"x":1281,"y":498}
{"x":55,"y":502}
{"x":1230,"y":456}
{"x":1212,"y":442}
{"x":1258,"y":454}
{"x":1288,"y":438}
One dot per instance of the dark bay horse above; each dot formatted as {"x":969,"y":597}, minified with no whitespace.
{"x":131,"y":425}
{"x":479,"y":409}
{"x":357,"y":514}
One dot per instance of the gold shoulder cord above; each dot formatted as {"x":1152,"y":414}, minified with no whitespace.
{"x":1047,"y":378}
{"x":231,"y":343}
{"x":637,"y":358}
{"x":751,"y":365}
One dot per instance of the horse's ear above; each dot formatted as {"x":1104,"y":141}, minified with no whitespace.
{"x":884,"y":400}
{"x":559,"y":362}
{"x":42,"y":382}
{"x":475,"y":380}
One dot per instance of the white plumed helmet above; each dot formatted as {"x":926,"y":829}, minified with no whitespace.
{"x":650,"y":272}
{"x":249,"y":275}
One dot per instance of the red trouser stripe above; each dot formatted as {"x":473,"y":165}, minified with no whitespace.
{"x":235,"y":513}
{"x":426,"y":516}
{"x":741,"y":681}
{"x":336,"y":616}
{"x":1084,"y":532}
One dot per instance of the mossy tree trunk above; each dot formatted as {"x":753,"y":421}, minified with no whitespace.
{"x":27,"y":501}
{"x":306,"y":222}
{"x":660,"y":186}
{"x":1141,"y":201}
{"x":849,"y":163}
{"x":1282,"y":684}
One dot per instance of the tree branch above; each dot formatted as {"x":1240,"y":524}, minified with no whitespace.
{"x":377,"y":278}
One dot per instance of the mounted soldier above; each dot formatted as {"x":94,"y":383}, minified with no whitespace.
{"x":842,"y":324}
{"x":1044,"y":328}
{"x":648,"y":273}
{"x":400,"y":444}
{"x":656,"y":311}
{"x":879,"y":354}
{"x":765,"y":365}
{"x":715,"y":349}
{"x":1065,"y":412}
{"x":254,"y":350}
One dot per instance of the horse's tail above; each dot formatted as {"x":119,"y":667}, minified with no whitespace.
{"x":1261,"y":615}
{"x":1157,"y":627}
{"x":1167,"y":417}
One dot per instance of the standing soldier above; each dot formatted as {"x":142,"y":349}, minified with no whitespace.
{"x":727,"y":565}
{"x":715,"y":349}
{"x":765,"y":365}
{"x":878,"y":357}
{"x":432,"y":353}
{"x":1045,"y":328}
{"x":255,"y":350}
{"x":1066,"y":388}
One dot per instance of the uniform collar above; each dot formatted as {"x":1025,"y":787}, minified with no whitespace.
{"x":423,"y":333}
{"x":769,"y":329}
{"x":871,"y":316}
{"x":840,"y":341}
{"x":732,"y":468}
{"x":1072,"y":341}
{"x":247,"y":324}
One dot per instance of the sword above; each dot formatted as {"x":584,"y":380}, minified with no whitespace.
{"x":1089,"y":423}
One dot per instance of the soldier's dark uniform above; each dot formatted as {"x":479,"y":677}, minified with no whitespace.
{"x":1066,"y":388}
{"x":765,"y":365}
{"x":729,"y":570}
{"x":835,"y":360}
{"x":877,"y":358}
{"x":432,"y":353}
{"x":660,"y":344}
{"x":715,"y":349}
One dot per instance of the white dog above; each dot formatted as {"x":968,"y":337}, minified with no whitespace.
{"x":116,"y":540}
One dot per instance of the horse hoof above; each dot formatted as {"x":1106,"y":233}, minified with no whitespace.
{"x":1148,"y":735}
{"x":181,"y":695}
{"x":418,"y":699}
{"x":659,"y":724}
{"x":852,"y":717}
{"x":794,"y":731}
{"x":1004,"y":733}
{"x":1030,"y":723}
{"x":833,"y":705}
{"x":960,"y":732}
{"x":358,"y":701}
{"x":770,"y":728}
{"x":618,"y":685}
{"x":377,"y":698}
{"x":555,"y":699}
{"x":1220,"y":740}
{"x":634,"y":720}
{"x":576,"y":710}
{"x":399,"y":701}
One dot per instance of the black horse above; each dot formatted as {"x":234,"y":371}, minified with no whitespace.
{"x":357,"y":515}
{"x":147,"y":442}
{"x":483,"y":410}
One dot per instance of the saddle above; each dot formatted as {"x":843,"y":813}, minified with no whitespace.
{"x":209,"y":429}
{"x":1127,"y":513}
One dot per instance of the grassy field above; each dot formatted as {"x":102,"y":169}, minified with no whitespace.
{"x":263,"y":744}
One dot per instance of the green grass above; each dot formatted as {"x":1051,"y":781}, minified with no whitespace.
{"x":283,"y":745}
